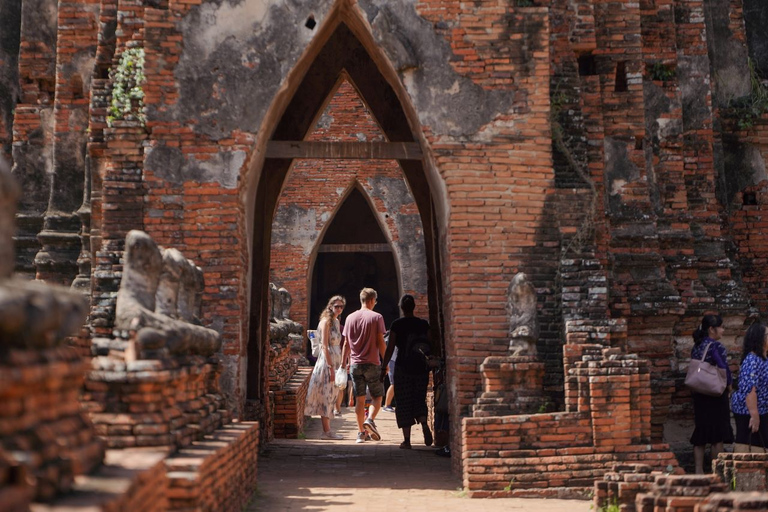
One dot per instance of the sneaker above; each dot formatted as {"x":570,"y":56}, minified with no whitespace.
{"x":361,"y":437}
{"x":370,"y":427}
{"x":331,"y":435}
{"x":388,"y":408}
{"x":337,"y":413}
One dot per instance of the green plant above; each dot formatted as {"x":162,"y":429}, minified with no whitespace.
{"x":461,"y":492}
{"x":302,"y":435}
{"x":524,"y":3}
{"x":661,"y":72}
{"x":749,"y":108}
{"x":613,"y":506}
{"x":733,"y":482}
{"x":127,"y":93}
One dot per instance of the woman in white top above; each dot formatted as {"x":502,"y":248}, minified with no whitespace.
{"x":321,"y":395}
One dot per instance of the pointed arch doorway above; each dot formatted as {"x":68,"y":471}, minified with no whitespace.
{"x":341,"y":52}
{"x":354,"y":253}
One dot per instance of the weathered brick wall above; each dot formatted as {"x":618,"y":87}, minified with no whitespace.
{"x":676,"y":492}
{"x":154,"y":402}
{"x":561,"y":454}
{"x":486,"y":240}
{"x":743,"y":471}
{"x":287,"y":404}
{"x":216,"y":473}
{"x":41,"y":420}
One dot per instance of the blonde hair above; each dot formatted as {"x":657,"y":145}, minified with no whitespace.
{"x":328,"y":311}
{"x":367,"y":294}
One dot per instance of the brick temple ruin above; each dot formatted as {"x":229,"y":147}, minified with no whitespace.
{"x":268,"y":154}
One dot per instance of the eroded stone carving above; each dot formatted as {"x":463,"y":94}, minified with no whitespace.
{"x":282,"y":329}
{"x":154,"y":282}
{"x":523,"y":320}
{"x":32,"y":314}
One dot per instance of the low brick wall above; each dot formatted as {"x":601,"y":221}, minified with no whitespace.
{"x":678,"y":493}
{"x":519,"y":456}
{"x":41,"y":423}
{"x":217,"y":473}
{"x":129,"y":480}
{"x":288,"y":405}
{"x":607,"y":422}
{"x":743,"y":471}
{"x":622,"y":484}
{"x":154,"y":402}
{"x":733,"y":501}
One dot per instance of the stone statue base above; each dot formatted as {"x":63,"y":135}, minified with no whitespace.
{"x":511,"y":385}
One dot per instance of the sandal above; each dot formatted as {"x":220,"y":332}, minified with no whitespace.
{"x":405,"y":445}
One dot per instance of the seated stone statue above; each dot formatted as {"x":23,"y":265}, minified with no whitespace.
{"x":281,"y":326}
{"x":523,"y":319}
{"x":33,"y":315}
{"x":152,"y":286}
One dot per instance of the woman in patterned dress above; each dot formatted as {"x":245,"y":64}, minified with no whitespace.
{"x":321,"y":394}
{"x":750,"y":401}
{"x":711,"y":414}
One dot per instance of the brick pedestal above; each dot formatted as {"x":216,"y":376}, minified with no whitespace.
{"x":511,"y":385}
{"x":41,"y":423}
{"x":154,"y":402}
{"x":743,"y":471}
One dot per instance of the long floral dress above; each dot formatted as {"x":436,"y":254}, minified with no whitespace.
{"x":321,"y":395}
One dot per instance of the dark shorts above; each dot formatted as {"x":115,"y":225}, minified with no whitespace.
{"x":367,"y":375}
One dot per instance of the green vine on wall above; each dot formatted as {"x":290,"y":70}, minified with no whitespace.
{"x":748,"y":109}
{"x":660,"y":72}
{"x":127,"y":93}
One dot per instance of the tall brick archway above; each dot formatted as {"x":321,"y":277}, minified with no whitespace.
{"x":342,"y":48}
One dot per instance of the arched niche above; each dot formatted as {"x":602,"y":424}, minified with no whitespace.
{"x":341,"y":52}
{"x":353,"y":253}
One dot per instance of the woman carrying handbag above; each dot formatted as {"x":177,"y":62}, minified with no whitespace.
{"x":750,"y":401}
{"x":712,"y":415}
{"x":321,"y":395}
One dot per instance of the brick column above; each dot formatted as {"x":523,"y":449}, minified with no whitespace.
{"x":60,"y":237}
{"x":33,"y":125}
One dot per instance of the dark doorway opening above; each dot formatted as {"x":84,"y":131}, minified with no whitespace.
{"x":355,"y":254}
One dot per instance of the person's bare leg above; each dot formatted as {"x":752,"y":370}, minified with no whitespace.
{"x":339,"y":399}
{"x":376,"y":408}
{"x":360,"y":412}
{"x":698,"y":458}
{"x":326,"y":423}
{"x":407,"y":435}
{"x":390,"y":396}
{"x":716,"y":449}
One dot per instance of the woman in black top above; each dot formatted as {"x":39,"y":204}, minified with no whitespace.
{"x":410,"y":335}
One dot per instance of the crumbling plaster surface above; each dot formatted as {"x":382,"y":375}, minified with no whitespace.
{"x":238,"y":55}
{"x":302,"y":227}
{"x":728,"y":54}
{"x":422,"y":59}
